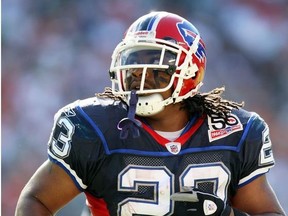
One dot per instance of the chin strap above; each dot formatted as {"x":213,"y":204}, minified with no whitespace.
{"x":130,"y":123}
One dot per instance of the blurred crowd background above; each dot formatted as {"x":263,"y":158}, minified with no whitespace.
{"x":55,"y":52}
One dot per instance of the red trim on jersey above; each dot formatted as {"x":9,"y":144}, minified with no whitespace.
{"x":182,"y":139}
{"x":97,"y":206}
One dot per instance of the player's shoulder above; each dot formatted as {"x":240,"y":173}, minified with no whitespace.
{"x":84,"y":120}
{"x":91,"y":105}
{"x":254,"y":124}
{"x":243,"y":114}
{"x":239,"y":122}
{"x":237,"y":119}
{"x":93,"y":102}
{"x":247,"y":117}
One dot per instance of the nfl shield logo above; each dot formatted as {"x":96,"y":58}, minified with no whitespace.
{"x":173,"y":147}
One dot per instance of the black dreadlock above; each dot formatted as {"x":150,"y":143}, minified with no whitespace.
{"x":209,"y":103}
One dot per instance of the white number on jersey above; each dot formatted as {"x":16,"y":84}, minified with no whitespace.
{"x":61,"y":147}
{"x":162,"y":181}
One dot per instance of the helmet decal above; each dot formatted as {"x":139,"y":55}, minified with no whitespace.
{"x":146,"y":23}
{"x":187,"y":31}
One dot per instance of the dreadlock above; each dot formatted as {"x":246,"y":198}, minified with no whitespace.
{"x":209,"y":103}
{"x":108,"y":93}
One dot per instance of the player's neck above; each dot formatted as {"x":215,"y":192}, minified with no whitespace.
{"x":170,"y":119}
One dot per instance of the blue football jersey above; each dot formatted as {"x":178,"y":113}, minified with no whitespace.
{"x":137,"y":175}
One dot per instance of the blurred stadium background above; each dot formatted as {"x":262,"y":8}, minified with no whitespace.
{"x":55,"y":52}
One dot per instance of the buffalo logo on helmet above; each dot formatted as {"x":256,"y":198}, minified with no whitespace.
{"x":187,"y":31}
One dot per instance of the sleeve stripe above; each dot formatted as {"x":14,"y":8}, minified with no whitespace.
{"x":253,"y":175}
{"x":67,"y":168}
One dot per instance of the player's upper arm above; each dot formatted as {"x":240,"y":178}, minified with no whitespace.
{"x":257,"y":197}
{"x":48,"y":190}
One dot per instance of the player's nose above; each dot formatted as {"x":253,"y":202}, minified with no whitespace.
{"x":137,"y":72}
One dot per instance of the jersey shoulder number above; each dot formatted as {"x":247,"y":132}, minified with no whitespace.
{"x":62,"y":132}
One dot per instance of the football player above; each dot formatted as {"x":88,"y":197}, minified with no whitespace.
{"x":153,"y":144}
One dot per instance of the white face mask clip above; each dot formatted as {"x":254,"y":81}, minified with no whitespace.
{"x":149,"y":105}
